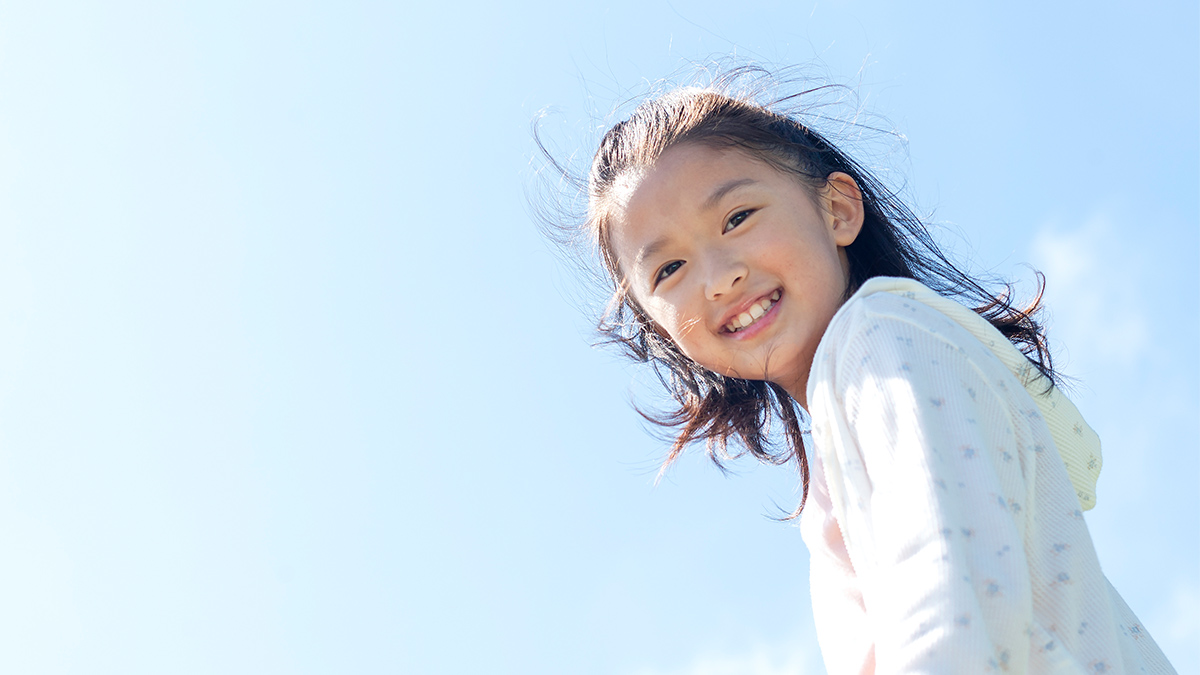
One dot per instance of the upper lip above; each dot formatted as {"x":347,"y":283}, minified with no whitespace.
{"x":745,"y":306}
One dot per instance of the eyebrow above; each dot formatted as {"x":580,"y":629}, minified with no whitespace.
{"x":648,"y":251}
{"x":723,"y":190}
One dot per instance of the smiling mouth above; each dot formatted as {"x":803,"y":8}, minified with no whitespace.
{"x":756,"y":312}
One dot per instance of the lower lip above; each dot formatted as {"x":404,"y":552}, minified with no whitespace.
{"x":758,"y":326}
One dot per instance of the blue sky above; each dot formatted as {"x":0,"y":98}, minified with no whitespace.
{"x":289,"y":383}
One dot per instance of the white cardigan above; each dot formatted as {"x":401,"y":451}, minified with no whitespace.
{"x":945,"y":533}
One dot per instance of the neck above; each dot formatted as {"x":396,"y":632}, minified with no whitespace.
{"x":797,"y":389}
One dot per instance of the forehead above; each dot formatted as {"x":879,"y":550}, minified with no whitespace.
{"x":685,"y":175}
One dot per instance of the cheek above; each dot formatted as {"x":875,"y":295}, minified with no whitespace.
{"x":818,"y":268}
{"x":666,"y":315}
{"x":675,"y":321}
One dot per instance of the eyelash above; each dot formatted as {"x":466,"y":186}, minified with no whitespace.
{"x":667,"y":270}
{"x":740,"y":217}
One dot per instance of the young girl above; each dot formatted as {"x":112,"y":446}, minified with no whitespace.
{"x":758,"y":268}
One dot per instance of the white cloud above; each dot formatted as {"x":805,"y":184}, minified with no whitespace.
{"x":1179,"y":619}
{"x":1093,"y":293}
{"x":1122,"y":310}
{"x":798,"y":660}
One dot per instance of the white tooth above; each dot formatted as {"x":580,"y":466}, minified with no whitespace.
{"x":766,"y":304}
{"x":745,"y":318}
{"x":775,"y":295}
{"x":757,"y":311}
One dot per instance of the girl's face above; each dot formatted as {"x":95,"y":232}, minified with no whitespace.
{"x":740,"y":264}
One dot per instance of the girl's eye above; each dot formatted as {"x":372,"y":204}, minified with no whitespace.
{"x":667,"y":270}
{"x":737,"y":219}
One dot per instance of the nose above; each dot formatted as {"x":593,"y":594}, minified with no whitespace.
{"x":725,"y":277}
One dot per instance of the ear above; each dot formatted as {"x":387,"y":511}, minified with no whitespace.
{"x":844,"y":206}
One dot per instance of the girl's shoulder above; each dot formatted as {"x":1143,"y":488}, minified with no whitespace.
{"x":895,"y":316}
{"x":883,"y":306}
{"x":889,"y":299}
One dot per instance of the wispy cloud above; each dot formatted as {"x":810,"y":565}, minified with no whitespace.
{"x":1093,"y":294}
{"x":1122,"y":313}
{"x":1181,"y":621}
{"x":795,"y":660}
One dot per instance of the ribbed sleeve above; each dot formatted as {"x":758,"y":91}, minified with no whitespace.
{"x":945,"y":534}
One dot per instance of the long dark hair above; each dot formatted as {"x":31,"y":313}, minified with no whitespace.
{"x":892,"y":242}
